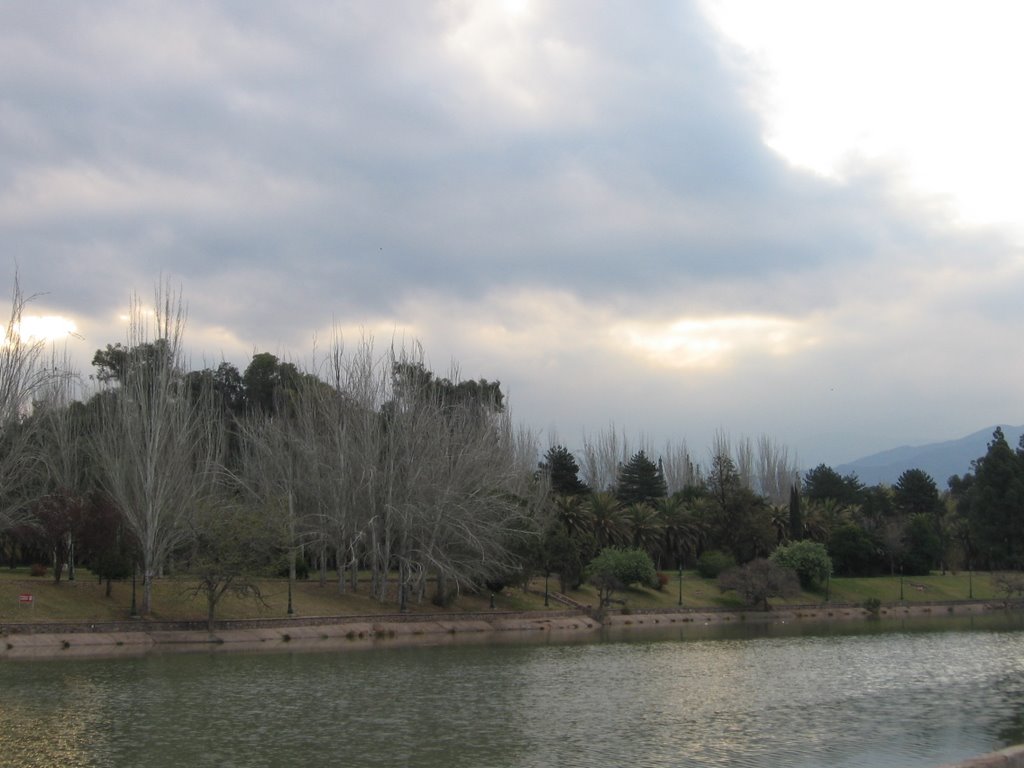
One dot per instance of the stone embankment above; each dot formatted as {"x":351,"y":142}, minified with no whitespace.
{"x":22,"y":641}
{"x":41,"y":640}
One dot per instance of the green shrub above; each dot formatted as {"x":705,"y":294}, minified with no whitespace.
{"x":713,"y":562}
{"x":616,"y":568}
{"x":809,"y":559}
{"x":873,"y":605}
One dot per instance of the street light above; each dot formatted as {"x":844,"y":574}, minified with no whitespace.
{"x":970,"y":581}
{"x":901,"y":583}
{"x":134,"y":613}
{"x":680,"y":583}
{"x":546,"y":574}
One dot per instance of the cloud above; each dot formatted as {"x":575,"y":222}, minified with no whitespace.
{"x":578,"y":202}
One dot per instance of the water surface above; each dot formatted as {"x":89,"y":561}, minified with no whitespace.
{"x":909,"y":693}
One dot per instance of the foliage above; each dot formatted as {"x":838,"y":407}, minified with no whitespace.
{"x":759,"y":580}
{"x":915,"y":493}
{"x":808,"y":559}
{"x":1009,"y":585}
{"x":993,"y":502}
{"x":854,"y":552}
{"x":873,"y":605}
{"x":713,"y":562}
{"x":562,"y":471}
{"x":616,"y":568}
{"x":640,"y":481}
{"x":823,"y":482}
{"x":232,"y":544}
{"x":606,"y":519}
{"x":922,"y":547}
{"x":796,"y":515}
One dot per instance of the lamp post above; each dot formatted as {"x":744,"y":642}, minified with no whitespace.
{"x":901,"y":583}
{"x":546,"y":574}
{"x":680,"y":583}
{"x":828,"y":584}
{"x":970,"y":581}
{"x":134,"y":613}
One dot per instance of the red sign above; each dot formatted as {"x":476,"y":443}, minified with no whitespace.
{"x":25,"y":598}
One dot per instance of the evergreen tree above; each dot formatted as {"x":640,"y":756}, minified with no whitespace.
{"x":564,"y":473}
{"x":640,"y":481}
{"x":995,"y":504}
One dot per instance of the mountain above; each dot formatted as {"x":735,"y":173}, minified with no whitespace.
{"x":940,"y":460}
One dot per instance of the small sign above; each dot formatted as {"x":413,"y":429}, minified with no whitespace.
{"x":25,"y":597}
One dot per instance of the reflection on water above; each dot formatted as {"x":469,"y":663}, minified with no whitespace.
{"x":856,"y":694}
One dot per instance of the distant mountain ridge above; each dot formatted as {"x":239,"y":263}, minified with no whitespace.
{"x":940,"y":460}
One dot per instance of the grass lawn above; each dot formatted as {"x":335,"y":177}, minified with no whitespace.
{"x":703,"y":593}
{"x":84,"y":599}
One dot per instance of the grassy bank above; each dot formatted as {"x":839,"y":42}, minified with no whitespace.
{"x":84,"y":599}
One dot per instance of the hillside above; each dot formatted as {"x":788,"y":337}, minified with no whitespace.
{"x":940,"y":460}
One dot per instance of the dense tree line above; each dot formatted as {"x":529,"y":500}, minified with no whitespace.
{"x":370,"y":461}
{"x":911,"y":527}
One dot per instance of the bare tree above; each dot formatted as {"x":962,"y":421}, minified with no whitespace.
{"x":22,"y":374}
{"x":679,"y":467}
{"x":776,"y":472}
{"x":157,"y":443}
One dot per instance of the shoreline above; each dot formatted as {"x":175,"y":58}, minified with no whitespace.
{"x":340,"y":633}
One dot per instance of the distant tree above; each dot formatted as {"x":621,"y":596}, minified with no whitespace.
{"x":268,"y":382}
{"x":104,"y":544}
{"x":922,"y":546}
{"x":614,"y":569}
{"x":560,"y":553}
{"x":808,"y":559}
{"x":823,"y":482}
{"x":224,"y":382}
{"x":737,"y":519}
{"x":796,"y":516}
{"x":233,"y":544}
{"x":683,"y":531}
{"x":640,"y":481}
{"x":854,"y":552}
{"x":561,"y":468}
{"x":606,"y":519}
{"x":995,"y":504}
{"x":759,"y":580}
{"x":156,"y":448}
{"x":644,"y":526}
{"x":23,"y":373}
{"x":915,"y":493}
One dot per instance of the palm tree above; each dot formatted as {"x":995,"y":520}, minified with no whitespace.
{"x":572,"y":513}
{"x":605,"y":519}
{"x":644,"y":524}
{"x":684,"y":533}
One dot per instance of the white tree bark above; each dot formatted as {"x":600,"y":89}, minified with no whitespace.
{"x":156,"y":445}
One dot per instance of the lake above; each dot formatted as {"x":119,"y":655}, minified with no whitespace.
{"x":916,"y":692}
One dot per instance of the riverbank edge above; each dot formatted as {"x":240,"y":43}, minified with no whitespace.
{"x":1011,"y":757}
{"x":139,"y":637}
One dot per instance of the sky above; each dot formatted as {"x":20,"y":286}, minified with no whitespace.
{"x":672,"y":219}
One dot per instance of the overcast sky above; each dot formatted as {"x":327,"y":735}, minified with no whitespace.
{"x":795,"y":218}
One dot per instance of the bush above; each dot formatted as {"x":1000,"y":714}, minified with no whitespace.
{"x":37,"y":569}
{"x":714,"y":562}
{"x":615,"y":568}
{"x":662,"y":581}
{"x":873,"y":605}
{"x":809,"y":559}
{"x":758,"y":580}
